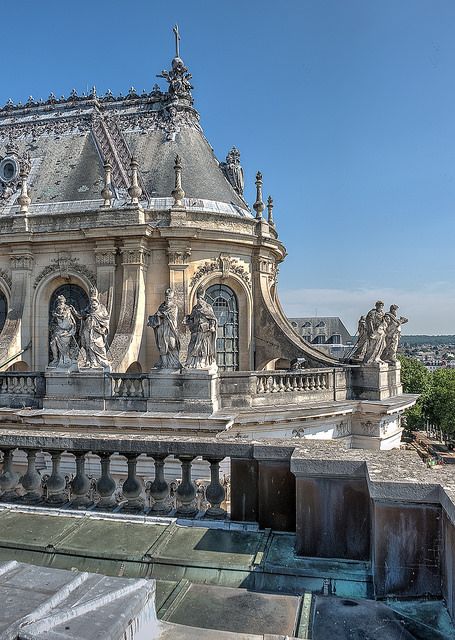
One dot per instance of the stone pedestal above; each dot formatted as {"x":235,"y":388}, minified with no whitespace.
{"x":83,"y":389}
{"x":376,"y":381}
{"x":189,"y":390}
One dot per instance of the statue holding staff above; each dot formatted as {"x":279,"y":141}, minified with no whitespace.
{"x":164,"y":323}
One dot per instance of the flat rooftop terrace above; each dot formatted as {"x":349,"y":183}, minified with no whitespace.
{"x":226,"y":576}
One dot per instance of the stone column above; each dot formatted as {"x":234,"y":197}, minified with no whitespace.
{"x":215,"y":491}
{"x":127,"y":340}
{"x":159,"y":488}
{"x":106,"y":485}
{"x":56,"y":482}
{"x":132,"y":487}
{"x":16,"y":333}
{"x":179,"y":253}
{"x":80,"y":485}
{"x":105,"y":253}
{"x":186,"y":491}
{"x":31,"y":480}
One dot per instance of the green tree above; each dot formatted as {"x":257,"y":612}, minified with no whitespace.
{"x":415,"y":378}
{"x":439,"y":403}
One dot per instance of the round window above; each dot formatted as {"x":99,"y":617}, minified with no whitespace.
{"x":8,"y":169}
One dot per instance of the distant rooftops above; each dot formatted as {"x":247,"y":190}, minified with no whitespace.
{"x":322,"y":330}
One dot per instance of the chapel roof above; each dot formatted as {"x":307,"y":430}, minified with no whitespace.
{"x":66,"y":141}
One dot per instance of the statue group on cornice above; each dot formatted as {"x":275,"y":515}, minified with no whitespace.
{"x":202,"y":324}
{"x":378,"y":336}
{"x":80,"y":335}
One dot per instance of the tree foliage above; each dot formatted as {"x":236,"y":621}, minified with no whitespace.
{"x":436,"y":404}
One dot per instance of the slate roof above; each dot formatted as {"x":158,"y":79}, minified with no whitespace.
{"x":332,"y":324}
{"x":69,"y":139}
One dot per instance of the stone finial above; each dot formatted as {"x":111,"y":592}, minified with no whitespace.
{"x":134,"y":189}
{"x":270,"y":211}
{"x":24,"y":199}
{"x":178,"y":193}
{"x":233,"y":171}
{"x":258,"y":206}
{"x":107,"y":193}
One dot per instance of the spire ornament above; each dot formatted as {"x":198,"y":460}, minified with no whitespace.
{"x":233,"y":171}
{"x":107,"y":193}
{"x":259,"y":206}
{"x":134,"y":190}
{"x":177,"y":193}
{"x":24,"y":199}
{"x":270,"y":219}
{"x":178,"y":76}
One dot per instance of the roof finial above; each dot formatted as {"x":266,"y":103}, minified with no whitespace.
{"x":177,"y":40}
{"x":24,"y":199}
{"x":270,"y":211}
{"x":106,"y":193}
{"x":258,"y":206}
{"x":177,"y":193}
{"x":134,"y":189}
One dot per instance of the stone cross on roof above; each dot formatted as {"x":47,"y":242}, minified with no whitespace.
{"x":177,"y":40}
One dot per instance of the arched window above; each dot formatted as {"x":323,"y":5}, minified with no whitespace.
{"x":74,"y":295}
{"x":3,"y":309}
{"x":225,"y":306}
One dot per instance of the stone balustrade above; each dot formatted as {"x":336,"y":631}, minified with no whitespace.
{"x":153,"y":494}
{"x":22,"y":389}
{"x":129,"y":385}
{"x":262,"y":388}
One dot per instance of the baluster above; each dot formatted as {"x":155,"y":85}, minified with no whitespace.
{"x":215,"y":492}
{"x":312,"y":383}
{"x":105,"y":485}
{"x":186,"y":491}
{"x":56,"y":482}
{"x":317,"y":382}
{"x":9,"y":478}
{"x":275,"y":387}
{"x":294,"y":383}
{"x":287,"y":383}
{"x":31,"y":480}
{"x":80,"y":484}
{"x":132,"y":487}
{"x":323,"y":381}
{"x":281,"y":385}
{"x":306,"y":385}
{"x":159,"y":488}
{"x":300,"y":384}
{"x":260,"y":385}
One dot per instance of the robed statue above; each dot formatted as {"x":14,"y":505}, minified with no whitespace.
{"x":63,"y":328}
{"x":164,"y":323}
{"x":392,"y":334}
{"x":202,"y":324}
{"x":95,"y":328}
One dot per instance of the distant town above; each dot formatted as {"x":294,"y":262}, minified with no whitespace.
{"x":435,"y":352}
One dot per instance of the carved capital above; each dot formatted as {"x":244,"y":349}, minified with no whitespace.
{"x":105,"y":257}
{"x":22,"y":262}
{"x":134,"y":255}
{"x":178,"y":256}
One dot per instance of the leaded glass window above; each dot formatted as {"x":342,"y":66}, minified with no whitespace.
{"x":3,"y":309}
{"x":225,"y":307}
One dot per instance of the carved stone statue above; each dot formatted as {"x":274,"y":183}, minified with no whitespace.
{"x":392,"y":334}
{"x":372,"y":334}
{"x":362,"y":340}
{"x":63,"y":327}
{"x":164,"y":323}
{"x":202,"y":324}
{"x":95,"y":327}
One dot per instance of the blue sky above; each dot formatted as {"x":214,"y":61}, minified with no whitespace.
{"x":346,"y":106}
